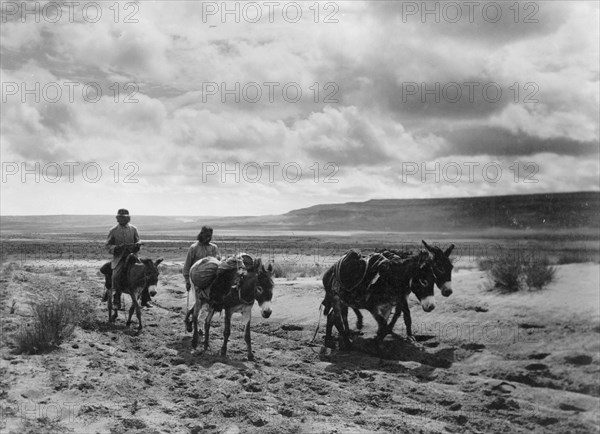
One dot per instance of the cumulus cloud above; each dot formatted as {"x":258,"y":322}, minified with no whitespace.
{"x":383,"y":91}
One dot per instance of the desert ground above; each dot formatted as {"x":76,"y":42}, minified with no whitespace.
{"x":484,"y":361}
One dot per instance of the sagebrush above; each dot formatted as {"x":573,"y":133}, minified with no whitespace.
{"x":52,"y":321}
{"x":512,"y":273}
{"x":291,"y":270}
{"x":539,"y":274}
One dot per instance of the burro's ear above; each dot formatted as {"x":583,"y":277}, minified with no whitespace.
{"x":423,"y":258}
{"x":158,"y":261}
{"x":270,"y":268}
{"x":449,"y":250}
{"x":427,"y":246}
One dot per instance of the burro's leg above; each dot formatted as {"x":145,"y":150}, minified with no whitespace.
{"x":194,"y":312}
{"x":344,"y":312}
{"x":328,"y":311}
{"x":226,"y":331}
{"x":397,"y":312}
{"x":345,"y":343}
{"x":114,"y":300}
{"x":189,"y":314}
{"x":329,"y":329}
{"x":207,"y":321}
{"x":381,"y":313}
{"x":246,"y":318}
{"x":359,"y":319}
{"x":138,"y":312}
{"x":132,"y":308}
{"x":188,"y":319}
{"x":135,"y":306}
{"x":117,"y":287}
{"x":407,"y":319}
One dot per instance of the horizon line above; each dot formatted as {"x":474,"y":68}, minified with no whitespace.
{"x":310,"y":206}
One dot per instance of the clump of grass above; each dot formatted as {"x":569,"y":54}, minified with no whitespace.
{"x":52,"y":322}
{"x":291,"y":270}
{"x":512,"y":273}
{"x":539,"y":273}
{"x":506,"y":274}
{"x":577,"y":256}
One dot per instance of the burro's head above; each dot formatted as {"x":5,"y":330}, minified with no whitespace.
{"x":441,"y":267}
{"x":264,"y":287}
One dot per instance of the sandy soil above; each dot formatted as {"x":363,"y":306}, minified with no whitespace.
{"x":485,"y":362}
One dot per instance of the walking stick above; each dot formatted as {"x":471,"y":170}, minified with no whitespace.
{"x":187,"y":309}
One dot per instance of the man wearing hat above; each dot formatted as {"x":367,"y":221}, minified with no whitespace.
{"x":122,"y":240}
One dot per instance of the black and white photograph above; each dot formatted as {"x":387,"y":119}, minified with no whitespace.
{"x":310,"y":216}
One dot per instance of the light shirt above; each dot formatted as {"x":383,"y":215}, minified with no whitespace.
{"x":196,"y":252}
{"x":120,"y":235}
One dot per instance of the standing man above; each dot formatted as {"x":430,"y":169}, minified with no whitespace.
{"x":199,"y":250}
{"x":122,"y":240}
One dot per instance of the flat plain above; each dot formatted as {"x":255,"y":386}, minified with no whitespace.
{"x":485,"y":361}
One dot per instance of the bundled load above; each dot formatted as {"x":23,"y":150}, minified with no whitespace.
{"x":231,"y":263}
{"x":204,"y":271}
{"x":350,"y":269}
{"x":357,"y":275}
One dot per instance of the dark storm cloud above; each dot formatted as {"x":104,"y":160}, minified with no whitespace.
{"x":57,"y":118}
{"x":449,"y":98}
{"x":475,"y":22}
{"x":500,"y":141}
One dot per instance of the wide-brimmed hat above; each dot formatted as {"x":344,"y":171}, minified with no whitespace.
{"x":123,"y":212}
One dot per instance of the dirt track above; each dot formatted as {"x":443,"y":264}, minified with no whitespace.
{"x":487,"y":363}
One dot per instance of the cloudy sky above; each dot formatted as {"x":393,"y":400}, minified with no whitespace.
{"x":177,"y":108}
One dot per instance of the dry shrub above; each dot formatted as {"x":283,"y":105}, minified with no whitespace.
{"x":505,"y":274}
{"x":578,"y":256}
{"x":290,"y":270}
{"x":539,"y":274}
{"x":511,"y":273}
{"x":52,"y":322}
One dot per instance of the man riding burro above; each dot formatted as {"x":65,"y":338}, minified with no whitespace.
{"x":201,"y":249}
{"x":123,"y":239}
